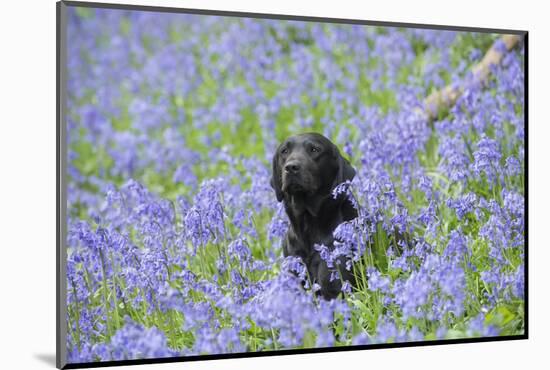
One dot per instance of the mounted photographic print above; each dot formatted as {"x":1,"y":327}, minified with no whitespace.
{"x":236,"y":184}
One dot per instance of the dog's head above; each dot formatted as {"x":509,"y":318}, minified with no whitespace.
{"x":308,"y":166}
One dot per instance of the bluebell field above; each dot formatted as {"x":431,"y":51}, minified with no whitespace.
{"x":174,"y":233}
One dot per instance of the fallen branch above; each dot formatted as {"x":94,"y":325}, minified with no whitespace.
{"x":447,"y":97}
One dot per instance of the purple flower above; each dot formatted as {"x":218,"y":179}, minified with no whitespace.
{"x":377,"y":282}
{"x":239,"y":251}
{"x":279,"y":224}
{"x":133,"y":341}
{"x":454,"y":159}
{"x":386,"y":332}
{"x":463,"y":205}
{"x":487,"y":158}
{"x":184,"y":174}
{"x":325,"y":254}
{"x":512,"y":166}
{"x":477,"y":327}
{"x":457,"y":247}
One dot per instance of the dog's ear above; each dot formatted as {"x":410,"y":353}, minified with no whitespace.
{"x":276,"y":177}
{"x":345,"y":171}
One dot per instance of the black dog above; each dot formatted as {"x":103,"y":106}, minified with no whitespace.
{"x":306,"y":169}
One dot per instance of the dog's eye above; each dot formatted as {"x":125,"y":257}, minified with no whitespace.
{"x":315,"y":149}
{"x":284,"y":150}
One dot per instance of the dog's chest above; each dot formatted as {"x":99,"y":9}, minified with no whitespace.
{"x":305,"y":234}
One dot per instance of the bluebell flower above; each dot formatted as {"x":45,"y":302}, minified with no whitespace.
{"x":512,"y":166}
{"x":377,"y":282}
{"x":477,"y":327}
{"x":386,"y":332}
{"x":457,"y":247}
{"x":134,"y":341}
{"x":487,"y":158}
{"x":454,"y":159}
{"x":463,"y":205}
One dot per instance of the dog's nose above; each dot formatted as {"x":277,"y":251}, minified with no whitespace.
{"x":292,"y":167}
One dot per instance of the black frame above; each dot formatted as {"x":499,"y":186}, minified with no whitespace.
{"x":61,"y":291}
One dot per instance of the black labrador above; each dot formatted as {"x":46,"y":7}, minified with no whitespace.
{"x":306,"y":169}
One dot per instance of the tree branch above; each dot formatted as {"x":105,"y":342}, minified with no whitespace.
{"x":447,"y":97}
